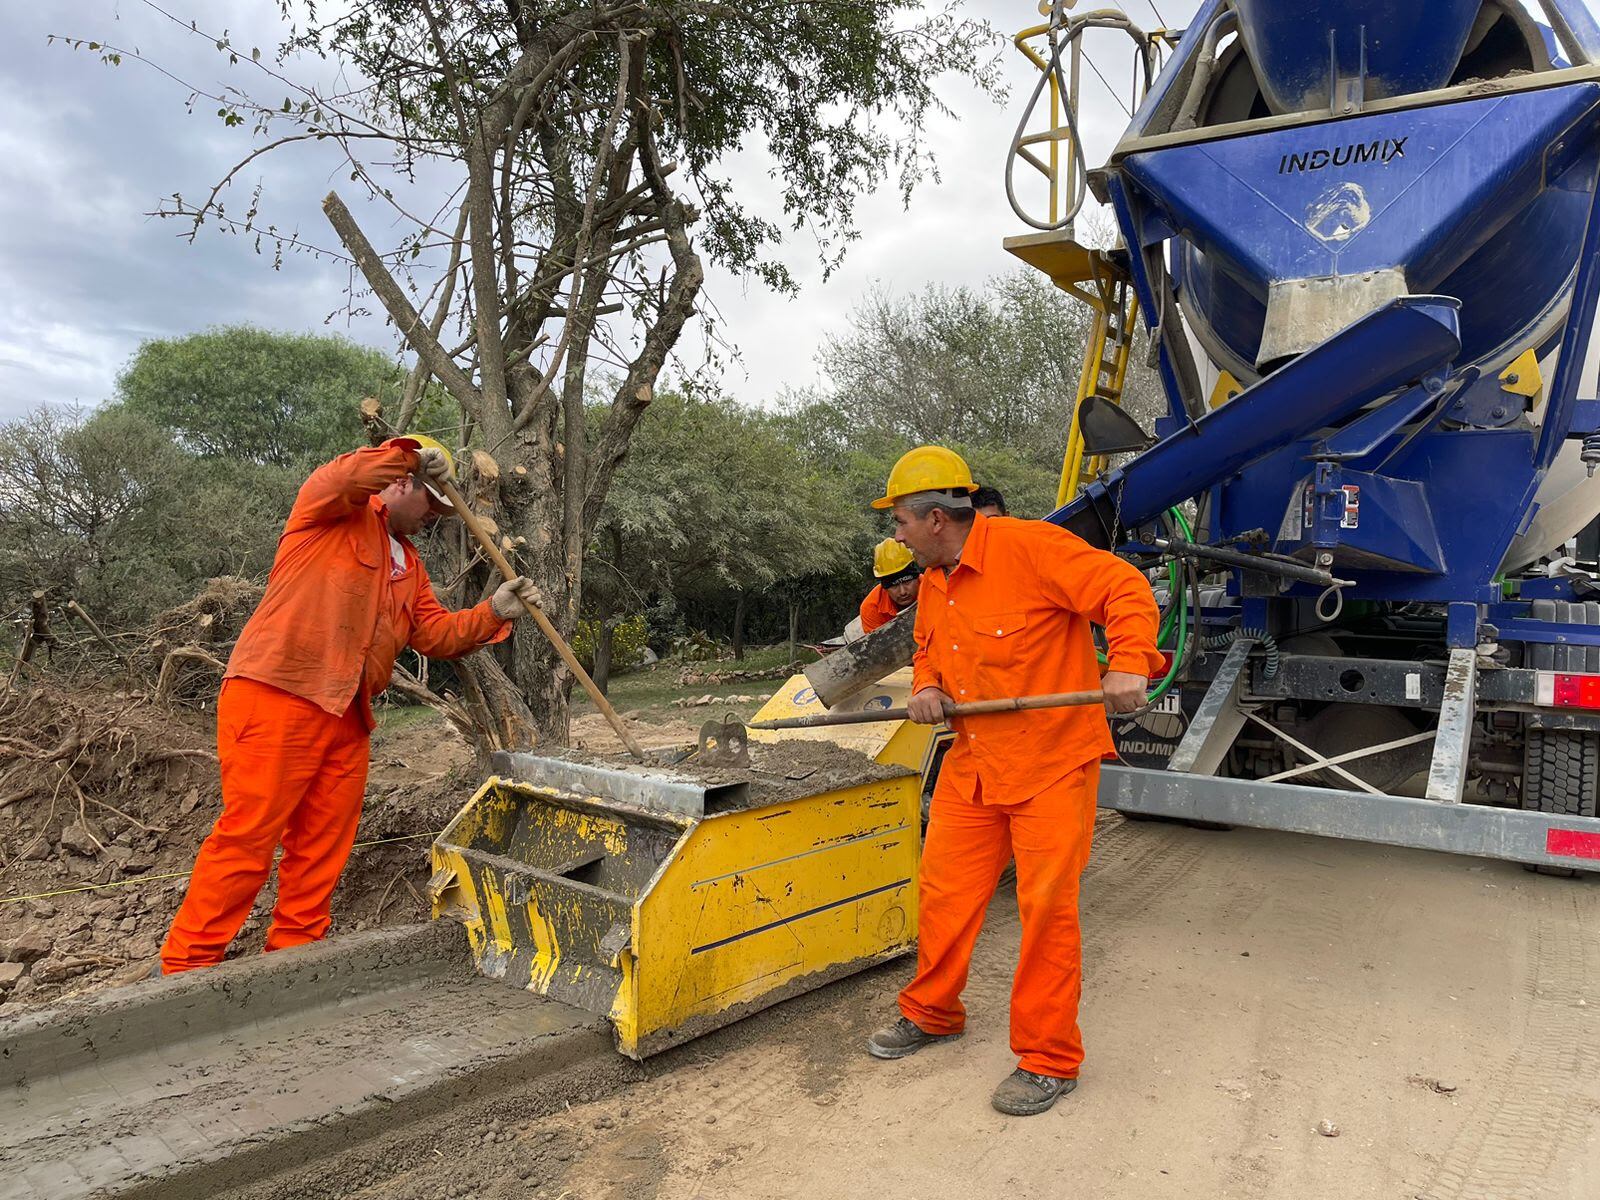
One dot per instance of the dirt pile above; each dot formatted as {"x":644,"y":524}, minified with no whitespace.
{"x":778,"y":772}
{"x":105,"y":798}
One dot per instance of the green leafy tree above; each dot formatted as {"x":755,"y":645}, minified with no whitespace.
{"x":714,"y":503}
{"x":992,"y":371}
{"x":283,"y":399}
{"x":106,"y":509}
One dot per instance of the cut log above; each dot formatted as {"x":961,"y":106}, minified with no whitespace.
{"x":860,"y":664}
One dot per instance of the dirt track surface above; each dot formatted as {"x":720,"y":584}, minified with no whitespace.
{"x":1241,"y":988}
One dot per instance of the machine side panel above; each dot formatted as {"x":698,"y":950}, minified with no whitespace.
{"x":756,"y":903}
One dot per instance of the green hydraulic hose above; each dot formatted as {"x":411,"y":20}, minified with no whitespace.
{"x":1178,"y":613}
{"x":1180,"y":654}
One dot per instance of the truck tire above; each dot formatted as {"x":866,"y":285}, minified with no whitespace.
{"x":1561,"y":772}
{"x":1561,"y":767}
{"x":1561,"y":775}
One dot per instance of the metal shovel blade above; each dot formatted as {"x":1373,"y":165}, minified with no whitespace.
{"x":724,"y":743}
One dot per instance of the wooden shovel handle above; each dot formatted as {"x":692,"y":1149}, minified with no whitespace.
{"x":486,"y":540}
{"x":973,"y":709}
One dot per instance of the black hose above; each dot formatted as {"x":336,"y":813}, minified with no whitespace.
{"x":1061,"y":35}
{"x":1268,"y":644}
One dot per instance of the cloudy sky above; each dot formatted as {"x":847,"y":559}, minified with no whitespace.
{"x":89,"y":150}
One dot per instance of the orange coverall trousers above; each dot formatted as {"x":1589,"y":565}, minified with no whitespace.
{"x":291,"y":774}
{"x":968,"y":845}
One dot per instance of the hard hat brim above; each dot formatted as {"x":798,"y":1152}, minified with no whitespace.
{"x":438,"y":500}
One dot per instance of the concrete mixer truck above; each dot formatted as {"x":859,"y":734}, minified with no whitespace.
{"x":1359,"y":243}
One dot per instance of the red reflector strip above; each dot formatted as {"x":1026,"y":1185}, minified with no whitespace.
{"x":1572,"y":843}
{"x":1576,"y":691}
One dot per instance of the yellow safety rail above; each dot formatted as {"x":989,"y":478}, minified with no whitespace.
{"x":1058,"y":131}
{"x":1072,"y":265}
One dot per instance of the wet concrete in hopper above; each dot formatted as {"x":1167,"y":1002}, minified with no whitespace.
{"x":779,"y":771}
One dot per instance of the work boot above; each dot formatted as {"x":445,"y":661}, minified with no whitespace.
{"x":903,"y":1038}
{"x":1022,"y":1093}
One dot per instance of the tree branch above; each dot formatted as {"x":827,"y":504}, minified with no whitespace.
{"x":418,"y":379}
{"x":604,"y":156}
{"x":638,"y":388}
{"x":406,"y":318}
{"x":493,"y":412}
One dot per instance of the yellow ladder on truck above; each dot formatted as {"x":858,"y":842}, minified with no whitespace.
{"x":1095,"y":278}
{"x":1105,"y":372}
{"x":1057,"y":252}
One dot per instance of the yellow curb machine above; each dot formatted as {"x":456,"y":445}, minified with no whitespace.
{"x":673,"y":900}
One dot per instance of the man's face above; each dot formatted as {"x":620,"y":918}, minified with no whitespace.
{"x":919,"y":533}
{"x":409,"y":510}
{"x":904,"y":591}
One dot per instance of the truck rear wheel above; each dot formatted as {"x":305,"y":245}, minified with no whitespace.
{"x":1561,"y":774}
{"x":1561,"y":767}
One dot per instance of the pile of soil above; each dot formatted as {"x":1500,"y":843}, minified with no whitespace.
{"x":788,"y":770}
{"x":105,"y":798}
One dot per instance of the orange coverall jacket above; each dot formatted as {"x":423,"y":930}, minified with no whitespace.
{"x":332,"y":622}
{"x":877,"y":609}
{"x":1012,"y":619}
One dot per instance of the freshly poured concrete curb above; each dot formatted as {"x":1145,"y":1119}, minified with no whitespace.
{"x":181,"y":1086}
{"x":128,"y":1019}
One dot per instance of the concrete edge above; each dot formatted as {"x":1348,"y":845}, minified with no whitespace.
{"x":135,"y":1017}
{"x":551,"y":1060}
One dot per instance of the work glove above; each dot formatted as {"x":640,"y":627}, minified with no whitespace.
{"x":433,"y":464}
{"x":508,"y":597}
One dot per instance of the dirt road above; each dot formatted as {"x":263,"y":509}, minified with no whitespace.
{"x":1242,"y":988}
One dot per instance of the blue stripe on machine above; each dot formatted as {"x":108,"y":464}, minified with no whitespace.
{"x":810,"y":912}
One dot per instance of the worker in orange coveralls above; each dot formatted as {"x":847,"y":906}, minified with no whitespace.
{"x":1004,"y":611}
{"x":346,"y":594}
{"x":898,"y":576}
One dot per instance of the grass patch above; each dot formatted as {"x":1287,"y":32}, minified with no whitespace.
{"x":651,"y":690}
{"x":394,"y":719}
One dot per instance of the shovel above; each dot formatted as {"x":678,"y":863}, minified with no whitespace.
{"x":723,"y":743}
{"x":973,"y":709}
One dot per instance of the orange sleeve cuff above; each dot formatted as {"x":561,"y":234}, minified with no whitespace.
{"x":496,"y":629}
{"x":410,"y":447}
{"x":1145,"y":663}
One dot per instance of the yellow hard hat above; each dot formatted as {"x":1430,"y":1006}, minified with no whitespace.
{"x":926,"y":469}
{"x":416,"y":441}
{"x":889,"y":557}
